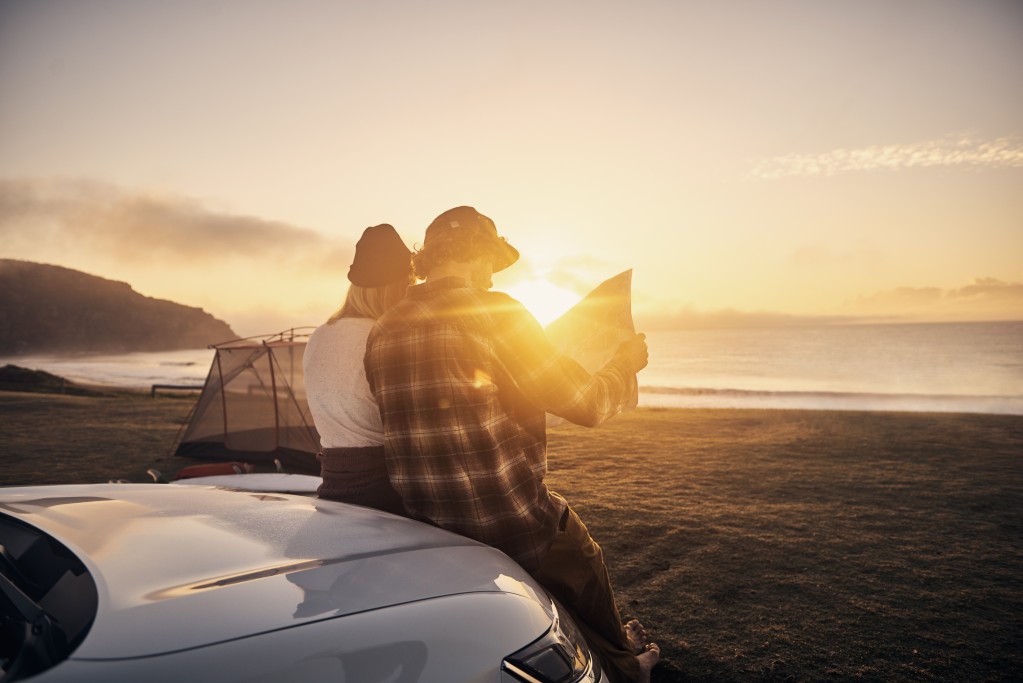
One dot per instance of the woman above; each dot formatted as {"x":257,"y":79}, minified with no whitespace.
{"x":343,"y":409}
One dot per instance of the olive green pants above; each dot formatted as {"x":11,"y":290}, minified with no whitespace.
{"x":573,"y":571}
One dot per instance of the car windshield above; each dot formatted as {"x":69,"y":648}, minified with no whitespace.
{"x":48,"y":601}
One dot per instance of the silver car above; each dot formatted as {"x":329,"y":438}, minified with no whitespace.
{"x":158,"y":582}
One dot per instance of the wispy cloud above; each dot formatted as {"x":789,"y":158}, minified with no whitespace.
{"x":83,"y":215}
{"x":964,"y":150}
{"x":984,"y":298}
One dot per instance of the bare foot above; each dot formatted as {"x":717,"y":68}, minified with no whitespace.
{"x":647,"y":661}
{"x":635,"y":634}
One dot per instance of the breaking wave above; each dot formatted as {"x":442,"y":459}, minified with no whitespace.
{"x":706,"y":397}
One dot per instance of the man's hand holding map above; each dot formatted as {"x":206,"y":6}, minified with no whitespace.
{"x":592,"y":330}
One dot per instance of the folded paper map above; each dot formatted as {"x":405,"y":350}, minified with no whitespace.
{"x":591,"y":331}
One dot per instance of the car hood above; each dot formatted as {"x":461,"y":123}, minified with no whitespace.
{"x":183,"y":567}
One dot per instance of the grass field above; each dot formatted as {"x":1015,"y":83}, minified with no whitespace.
{"x":755,"y":545}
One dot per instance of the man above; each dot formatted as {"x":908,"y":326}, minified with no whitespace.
{"x":463,"y":377}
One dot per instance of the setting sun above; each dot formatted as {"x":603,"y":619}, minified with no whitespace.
{"x":546,"y":301}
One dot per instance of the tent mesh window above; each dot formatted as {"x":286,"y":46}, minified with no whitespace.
{"x":253,"y":406}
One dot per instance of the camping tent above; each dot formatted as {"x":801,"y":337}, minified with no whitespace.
{"x":253,"y":406}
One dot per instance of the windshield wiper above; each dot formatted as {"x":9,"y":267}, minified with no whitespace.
{"x":42,"y":644}
{"x":9,"y":567}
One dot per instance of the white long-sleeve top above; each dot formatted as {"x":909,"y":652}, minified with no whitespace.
{"x":343,"y":409}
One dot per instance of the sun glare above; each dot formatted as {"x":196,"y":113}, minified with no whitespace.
{"x":544,"y":300}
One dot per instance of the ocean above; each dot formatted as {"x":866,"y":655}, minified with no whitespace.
{"x":938,"y":367}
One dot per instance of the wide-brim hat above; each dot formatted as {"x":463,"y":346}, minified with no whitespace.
{"x":467,"y":220}
{"x":381,"y":258}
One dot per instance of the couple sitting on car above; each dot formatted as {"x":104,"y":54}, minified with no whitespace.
{"x":430,"y":401}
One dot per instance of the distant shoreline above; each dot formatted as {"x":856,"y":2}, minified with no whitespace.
{"x":920,"y":367}
{"x":649,"y":396}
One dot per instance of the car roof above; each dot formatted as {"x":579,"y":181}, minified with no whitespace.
{"x":190,"y":566}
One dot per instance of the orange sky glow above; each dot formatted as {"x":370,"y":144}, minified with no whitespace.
{"x":753,"y":163}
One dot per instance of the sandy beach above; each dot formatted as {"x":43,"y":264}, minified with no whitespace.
{"x":756,"y":545}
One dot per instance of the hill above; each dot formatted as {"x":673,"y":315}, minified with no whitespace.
{"x":15,"y":378}
{"x":46,"y":308}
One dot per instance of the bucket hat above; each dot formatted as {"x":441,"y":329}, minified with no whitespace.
{"x":466,"y":220}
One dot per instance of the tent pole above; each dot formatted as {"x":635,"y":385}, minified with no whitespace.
{"x":273,"y":395}
{"x":223,"y":394}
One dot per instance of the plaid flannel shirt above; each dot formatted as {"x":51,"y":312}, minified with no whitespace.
{"x":463,"y":377}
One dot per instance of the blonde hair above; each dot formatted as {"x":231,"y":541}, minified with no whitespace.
{"x":371,"y":302}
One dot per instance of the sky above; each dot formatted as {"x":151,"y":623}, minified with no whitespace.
{"x":752,"y":162}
